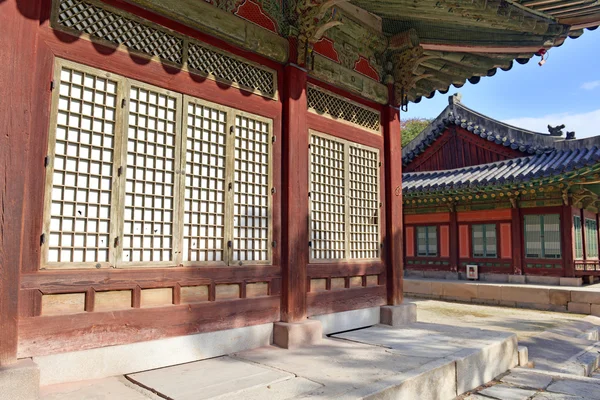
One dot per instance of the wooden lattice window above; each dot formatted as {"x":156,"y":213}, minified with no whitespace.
{"x":578,"y":237}
{"x":141,"y":176}
{"x":591,"y":238}
{"x":427,"y":244}
{"x":344,"y":200}
{"x":324,"y":102}
{"x":484,"y":240}
{"x":542,"y":236}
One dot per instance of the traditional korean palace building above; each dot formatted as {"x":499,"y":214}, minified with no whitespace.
{"x":210,"y":174}
{"x":511,"y":201}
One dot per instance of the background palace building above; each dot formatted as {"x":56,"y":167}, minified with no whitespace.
{"x":213,"y":174}
{"x":510,"y":201}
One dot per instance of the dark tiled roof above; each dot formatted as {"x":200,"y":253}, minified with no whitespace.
{"x":517,"y":170}
{"x":456,"y":113}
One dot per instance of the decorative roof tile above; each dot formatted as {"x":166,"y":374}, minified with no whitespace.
{"x":513,"y":171}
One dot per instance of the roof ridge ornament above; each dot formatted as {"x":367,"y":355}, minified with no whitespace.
{"x":455,"y":98}
{"x":556,"y":130}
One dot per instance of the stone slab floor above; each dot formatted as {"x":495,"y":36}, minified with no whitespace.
{"x":361,"y":363}
{"x":524,"y":323}
{"x":526,"y":384}
{"x":419,"y":361}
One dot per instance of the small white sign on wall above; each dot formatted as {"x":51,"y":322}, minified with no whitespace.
{"x":472,"y":272}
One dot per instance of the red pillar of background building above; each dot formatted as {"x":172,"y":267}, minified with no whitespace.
{"x":567,"y":239}
{"x":453,"y":240}
{"x":394,"y":242}
{"x":295,"y":196}
{"x":517,"y":239}
{"x":19,"y":21}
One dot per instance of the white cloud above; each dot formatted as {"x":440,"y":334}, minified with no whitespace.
{"x":590,"y":85}
{"x":584,"y":124}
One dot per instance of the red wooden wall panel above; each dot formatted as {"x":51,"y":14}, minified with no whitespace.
{"x":466,"y":149}
{"x":506,"y":242}
{"x":409,"y":234}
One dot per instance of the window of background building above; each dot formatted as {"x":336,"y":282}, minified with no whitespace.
{"x":427,"y":245}
{"x":542,"y":236}
{"x":484,"y":240}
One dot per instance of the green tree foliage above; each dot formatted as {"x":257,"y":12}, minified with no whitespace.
{"x":411,"y":127}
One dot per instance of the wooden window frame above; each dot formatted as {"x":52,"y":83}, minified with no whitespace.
{"x":542,"y":237}
{"x":591,"y":242}
{"x":347,"y":222}
{"x":484,"y":230}
{"x":437,"y":239}
{"x":116,"y":224}
{"x":578,"y":253}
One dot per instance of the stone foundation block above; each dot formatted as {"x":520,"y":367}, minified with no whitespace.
{"x":401,"y":315}
{"x":595,"y":310}
{"x":437,"y":289}
{"x":571,"y":282}
{"x":348,"y":320}
{"x":20,"y":381}
{"x":489,"y":292}
{"x":542,"y":280}
{"x":418,"y":287}
{"x":523,"y":354}
{"x":525,"y":294}
{"x":585,"y":297}
{"x":560,"y":297}
{"x":517,"y":279}
{"x":298,"y":334}
{"x":579,"y":308}
{"x":463,"y":291}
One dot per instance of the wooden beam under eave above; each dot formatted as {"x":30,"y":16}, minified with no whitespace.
{"x":461,"y":48}
{"x":585,"y":21}
{"x":472,"y":60}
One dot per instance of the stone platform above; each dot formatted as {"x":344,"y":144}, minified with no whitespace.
{"x":419,"y":361}
{"x":574,"y":299}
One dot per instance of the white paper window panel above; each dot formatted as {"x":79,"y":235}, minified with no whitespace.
{"x":83,"y":162}
{"x":363,"y":167}
{"x":150,"y":181}
{"x":251,"y":191}
{"x":204,"y":193}
{"x":327,"y":190}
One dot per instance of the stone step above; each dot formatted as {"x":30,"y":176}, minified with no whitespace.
{"x":572,"y":349}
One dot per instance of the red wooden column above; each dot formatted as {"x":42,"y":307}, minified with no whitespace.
{"x":517,"y":239}
{"x":19,"y":22}
{"x":453,"y":240}
{"x":566,"y":227}
{"x":394,"y":241}
{"x":295,"y":196}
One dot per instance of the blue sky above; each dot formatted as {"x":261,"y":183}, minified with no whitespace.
{"x":566,"y":90}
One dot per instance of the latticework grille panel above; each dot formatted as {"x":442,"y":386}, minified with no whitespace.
{"x":150,"y":177}
{"x":484,"y":240}
{"x":227,"y":68}
{"x":251,"y":190}
{"x":578,"y":237}
{"x":98,"y":22}
{"x":427,"y":241}
{"x":327,"y":193}
{"x":364,"y":202}
{"x":204,"y":218}
{"x":83,"y":168}
{"x":542,"y":236}
{"x":323,"y":102}
{"x":591,"y":239}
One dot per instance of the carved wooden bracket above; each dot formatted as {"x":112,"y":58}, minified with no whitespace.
{"x":405,"y":62}
{"x":313,"y":19}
